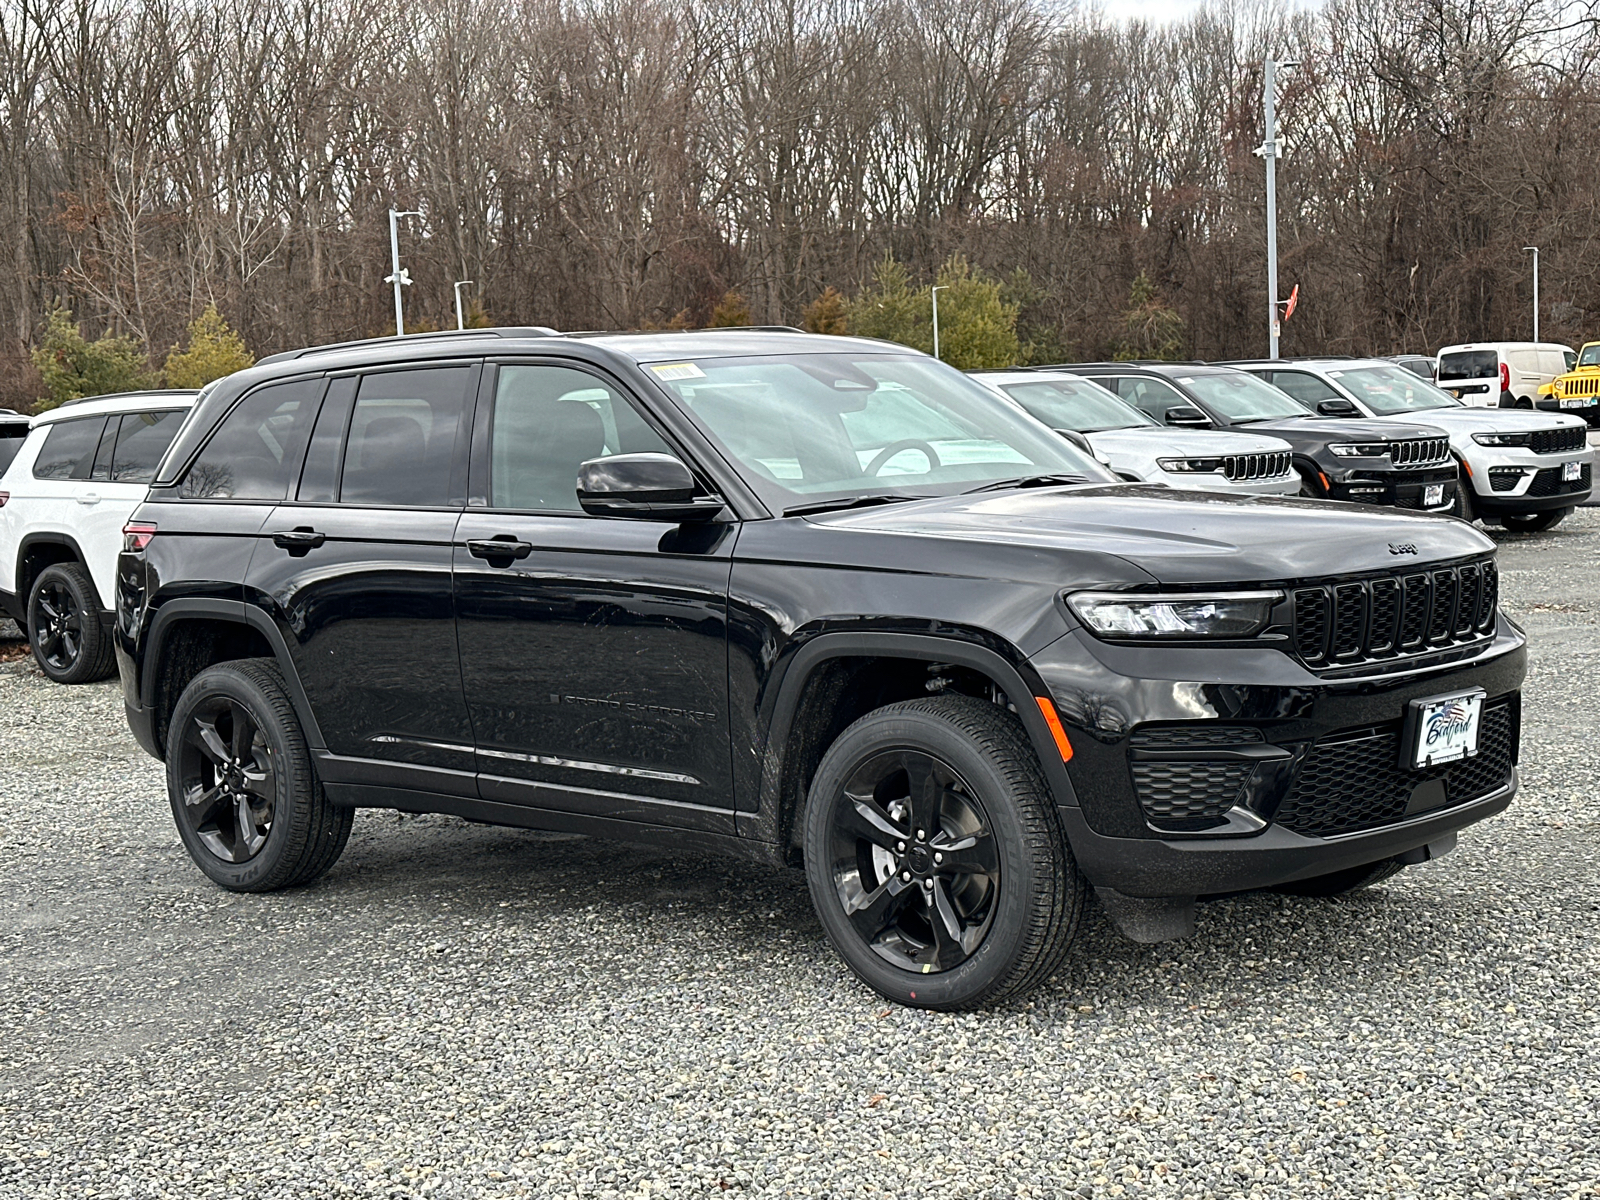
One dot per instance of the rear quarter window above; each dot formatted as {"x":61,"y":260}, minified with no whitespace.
{"x":68,"y":450}
{"x":141,"y":441}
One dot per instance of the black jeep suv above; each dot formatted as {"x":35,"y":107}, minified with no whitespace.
{"x":804,"y":599}
{"x":1333,"y":456}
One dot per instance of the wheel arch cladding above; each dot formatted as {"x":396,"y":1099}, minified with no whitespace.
{"x":836,"y":679}
{"x":40,"y":551}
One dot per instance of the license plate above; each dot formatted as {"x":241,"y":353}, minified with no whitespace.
{"x":1432,"y":495}
{"x":1580,"y":402}
{"x":1571,"y":471}
{"x":1443,"y":729}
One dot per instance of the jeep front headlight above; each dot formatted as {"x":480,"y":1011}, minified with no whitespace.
{"x":1118,"y":615}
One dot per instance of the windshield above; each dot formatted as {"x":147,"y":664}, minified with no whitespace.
{"x":822,"y":426}
{"x":1468,"y":364}
{"x":1390,"y":390}
{"x":1241,"y":397}
{"x":1590,"y":357}
{"x":1078,"y":405}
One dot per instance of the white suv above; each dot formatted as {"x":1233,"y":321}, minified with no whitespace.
{"x":1527,"y":470}
{"x":1141,"y":449}
{"x":64,"y":499}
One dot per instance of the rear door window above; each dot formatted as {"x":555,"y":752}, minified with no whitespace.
{"x":142,"y":438}
{"x":1468,"y":364}
{"x":68,"y":450}
{"x":11,"y":439}
{"x":258,"y":448}
{"x":401,"y":447}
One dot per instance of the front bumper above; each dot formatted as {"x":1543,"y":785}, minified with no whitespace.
{"x":1397,"y":489}
{"x":1509,"y":479}
{"x":1314,"y":737}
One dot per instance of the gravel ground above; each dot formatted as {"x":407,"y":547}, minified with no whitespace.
{"x":465,"y":1011}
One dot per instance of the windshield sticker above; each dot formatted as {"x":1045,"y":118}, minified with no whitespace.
{"x":1335,"y":374}
{"x":668,"y":372}
{"x":1189,"y":379}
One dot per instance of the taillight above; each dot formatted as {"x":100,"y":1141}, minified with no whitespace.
{"x":1505,"y":377}
{"x":136,"y":535}
{"x":4,"y":496}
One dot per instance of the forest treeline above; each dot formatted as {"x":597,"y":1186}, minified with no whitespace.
{"x":622,"y":163}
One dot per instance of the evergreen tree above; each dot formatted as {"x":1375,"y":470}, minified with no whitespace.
{"x":214,"y":351}
{"x":828,"y":313}
{"x":74,"y":367}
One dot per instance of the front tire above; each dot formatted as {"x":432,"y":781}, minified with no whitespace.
{"x":1465,"y":508}
{"x":248,"y":804}
{"x":64,"y":626}
{"x":935,"y":858}
{"x":1534,"y":522}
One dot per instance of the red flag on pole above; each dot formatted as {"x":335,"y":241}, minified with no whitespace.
{"x":1294,"y":299}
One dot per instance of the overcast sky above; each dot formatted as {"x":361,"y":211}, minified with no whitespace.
{"x":1148,"y":10}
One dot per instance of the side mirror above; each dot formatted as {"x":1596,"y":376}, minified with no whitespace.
{"x":1337,"y":408}
{"x":647,"y":487}
{"x":1186,"y":414}
{"x":1078,"y":440}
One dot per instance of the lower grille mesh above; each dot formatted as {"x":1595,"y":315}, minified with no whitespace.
{"x":1358,"y":783}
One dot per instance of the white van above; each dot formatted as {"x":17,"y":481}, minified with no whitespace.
{"x":1505,"y":374}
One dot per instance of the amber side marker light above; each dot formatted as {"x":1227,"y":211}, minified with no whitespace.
{"x":1056,"y":731}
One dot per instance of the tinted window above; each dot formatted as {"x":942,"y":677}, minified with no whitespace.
{"x":403,"y":436}
{"x":548,"y":420}
{"x":1069,"y":404}
{"x":11,"y":440}
{"x":256,"y":451}
{"x":1152,"y":396}
{"x":68,"y":449}
{"x":1469,"y":364}
{"x":141,"y":441}
{"x":1307,"y":389}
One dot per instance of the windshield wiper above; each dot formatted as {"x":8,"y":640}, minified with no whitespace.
{"x":842,"y":502}
{"x":1027,"y":481}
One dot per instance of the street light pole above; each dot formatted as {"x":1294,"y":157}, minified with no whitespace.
{"x":1535,"y":250}
{"x":398,"y":277}
{"x":460,"y":321}
{"x":1272,"y":152}
{"x":935,"y":294}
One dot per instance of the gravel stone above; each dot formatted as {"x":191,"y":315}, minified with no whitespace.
{"x":462,"y":1011}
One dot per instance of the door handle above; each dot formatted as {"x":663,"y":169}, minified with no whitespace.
{"x":298,"y":541}
{"x":502,"y":546}
{"x":89,"y":498}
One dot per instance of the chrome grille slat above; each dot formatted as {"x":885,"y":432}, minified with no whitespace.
{"x":1242,"y":468}
{"x":1416,"y":453}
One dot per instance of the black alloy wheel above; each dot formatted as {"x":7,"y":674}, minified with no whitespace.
{"x":935,"y":857}
{"x":230,"y":783}
{"x":913,"y":861}
{"x":1535,"y":522}
{"x":247,"y":801}
{"x":64,"y":626}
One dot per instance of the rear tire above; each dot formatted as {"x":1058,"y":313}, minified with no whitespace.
{"x":1342,"y":883}
{"x":64,"y":626}
{"x":935,"y":858}
{"x":247,"y":801}
{"x":1534,"y":522}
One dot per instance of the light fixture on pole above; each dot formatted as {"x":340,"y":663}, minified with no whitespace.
{"x":460,"y":321}
{"x":398,"y":277}
{"x":1535,"y":250}
{"x":1271,"y":150}
{"x":935,"y":294}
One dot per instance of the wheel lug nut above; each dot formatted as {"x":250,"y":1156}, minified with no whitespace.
{"x":900,"y":846}
{"x":922,"y":835}
{"x":938,"y":858}
{"x":906,"y":876}
{"x":928,"y":883}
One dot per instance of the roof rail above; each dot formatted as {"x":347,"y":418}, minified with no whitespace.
{"x":1130,"y":362}
{"x":132,"y":392}
{"x":527,"y":331}
{"x":706,"y":329}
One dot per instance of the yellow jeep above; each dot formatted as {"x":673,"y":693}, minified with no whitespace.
{"x":1579,"y":388}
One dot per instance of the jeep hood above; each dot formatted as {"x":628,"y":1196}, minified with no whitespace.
{"x":1183,"y":443}
{"x":1181,"y":537}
